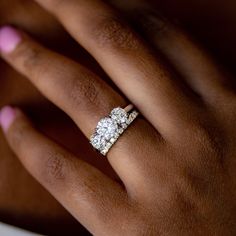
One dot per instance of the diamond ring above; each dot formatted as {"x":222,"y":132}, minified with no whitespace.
{"x":110,"y":128}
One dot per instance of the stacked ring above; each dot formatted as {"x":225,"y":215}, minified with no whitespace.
{"x":110,"y":128}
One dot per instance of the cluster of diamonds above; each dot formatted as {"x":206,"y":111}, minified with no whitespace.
{"x":110,"y":128}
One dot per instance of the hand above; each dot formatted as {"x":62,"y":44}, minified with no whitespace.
{"x":176,"y":164}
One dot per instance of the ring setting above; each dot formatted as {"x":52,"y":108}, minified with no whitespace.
{"x":110,"y":128}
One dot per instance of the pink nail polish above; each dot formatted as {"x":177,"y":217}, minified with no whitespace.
{"x":7,"y":116}
{"x":9,"y":39}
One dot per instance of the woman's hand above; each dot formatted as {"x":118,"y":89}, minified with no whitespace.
{"x":177,"y":163}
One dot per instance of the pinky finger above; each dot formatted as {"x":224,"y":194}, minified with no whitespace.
{"x":90,"y":196}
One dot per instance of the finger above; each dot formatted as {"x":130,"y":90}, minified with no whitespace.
{"x":69,"y":85}
{"x":85,"y":97}
{"x":90,"y":196}
{"x":131,"y":65}
{"x":195,"y":65}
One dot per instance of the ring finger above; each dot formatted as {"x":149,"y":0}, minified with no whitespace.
{"x":81,"y":94}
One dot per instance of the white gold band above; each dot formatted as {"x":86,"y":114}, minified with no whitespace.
{"x":110,"y":128}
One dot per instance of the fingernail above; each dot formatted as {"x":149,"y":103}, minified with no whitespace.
{"x":9,"y":39}
{"x":7,"y":116}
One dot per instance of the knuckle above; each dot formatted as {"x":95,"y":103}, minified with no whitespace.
{"x":196,"y":180}
{"x":207,"y":144}
{"x":55,"y":167}
{"x":28,"y":56}
{"x":89,"y":188}
{"x":17,"y":134}
{"x":208,"y":141}
{"x":84,"y":93}
{"x":89,"y":91}
{"x":111,"y":31}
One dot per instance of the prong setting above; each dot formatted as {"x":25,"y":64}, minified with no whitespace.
{"x":110,"y":128}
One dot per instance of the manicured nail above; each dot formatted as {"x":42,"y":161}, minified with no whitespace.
{"x":7,"y":116}
{"x":9,"y":39}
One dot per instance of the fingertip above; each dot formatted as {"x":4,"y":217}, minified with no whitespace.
{"x":8,"y":115}
{"x":9,"y":39}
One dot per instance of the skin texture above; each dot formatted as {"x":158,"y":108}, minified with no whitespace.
{"x":23,"y":99}
{"x":191,"y":182}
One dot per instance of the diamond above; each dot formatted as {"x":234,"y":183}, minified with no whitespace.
{"x":120,"y":131}
{"x":104,"y":152}
{"x":110,"y":128}
{"x":108,"y":146}
{"x":107,"y":128}
{"x":116,"y":136}
{"x":119,"y":115}
{"x":124,"y":126}
{"x":132,"y":117}
{"x":112,"y":140}
{"x":128,"y":121}
{"x":98,"y":141}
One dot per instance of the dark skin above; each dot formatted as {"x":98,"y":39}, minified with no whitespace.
{"x":46,"y":210}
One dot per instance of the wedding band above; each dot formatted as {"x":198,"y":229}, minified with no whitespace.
{"x":110,"y":128}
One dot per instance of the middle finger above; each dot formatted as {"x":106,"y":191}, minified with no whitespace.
{"x":142,"y":77}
